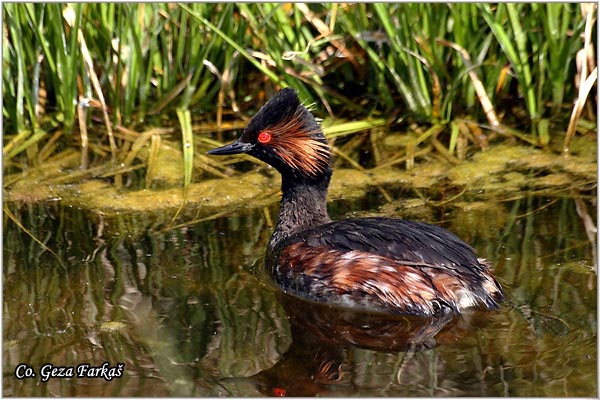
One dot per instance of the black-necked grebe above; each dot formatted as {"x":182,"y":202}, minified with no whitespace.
{"x":376,"y":264}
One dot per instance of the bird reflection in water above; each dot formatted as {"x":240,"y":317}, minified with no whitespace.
{"x":325,"y":340}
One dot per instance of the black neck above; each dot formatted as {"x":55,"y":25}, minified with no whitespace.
{"x":303,"y":206}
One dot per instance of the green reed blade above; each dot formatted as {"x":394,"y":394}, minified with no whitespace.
{"x":187,"y":137}
{"x":454,"y":132}
{"x":15,"y":29}
{"x":346,"y":128}
{"x":38,"y":134}
{"x":133,"y":61}
{"x":521,"y":41}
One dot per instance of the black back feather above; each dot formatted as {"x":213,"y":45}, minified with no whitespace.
{"x":404,"y":241}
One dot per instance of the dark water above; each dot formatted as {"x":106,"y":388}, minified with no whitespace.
{"x":188,"y":311}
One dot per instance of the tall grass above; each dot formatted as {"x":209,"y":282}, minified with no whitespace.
{"x":430,"y":63}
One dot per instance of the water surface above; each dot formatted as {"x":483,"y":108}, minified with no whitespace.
{"x":187,"y":312}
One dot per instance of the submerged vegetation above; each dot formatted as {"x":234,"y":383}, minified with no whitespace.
{"x":84,"y":82}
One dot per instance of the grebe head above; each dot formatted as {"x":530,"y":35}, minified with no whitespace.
{"x":285,"y":135}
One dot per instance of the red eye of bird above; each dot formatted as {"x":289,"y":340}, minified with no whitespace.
{"x":264,"y":137}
